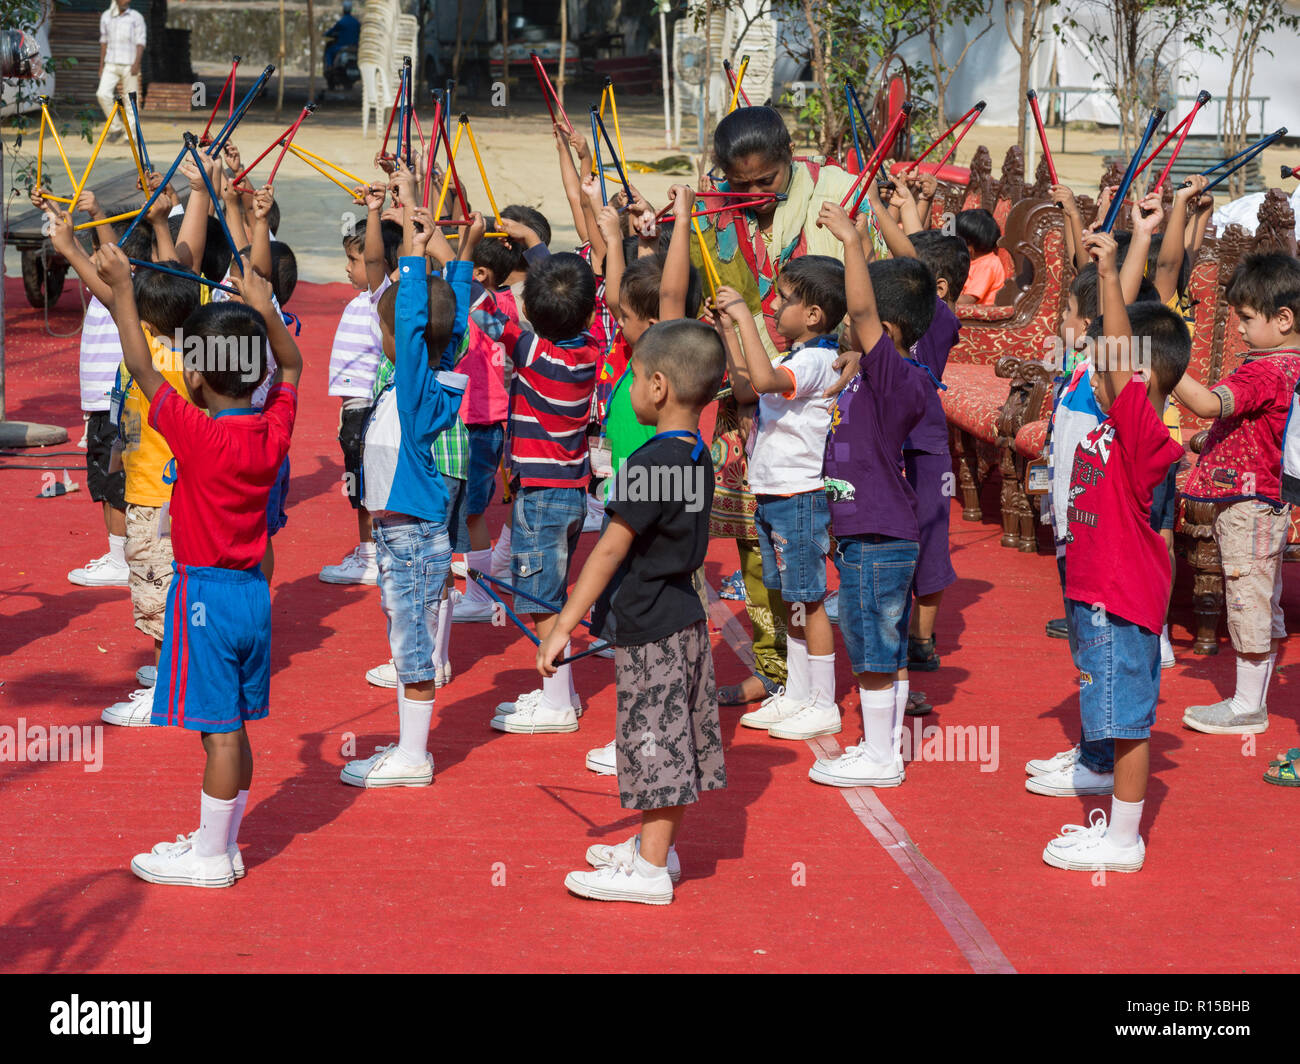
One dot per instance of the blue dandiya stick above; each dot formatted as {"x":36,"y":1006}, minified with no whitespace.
{"x":627,"y":189}
{"x":190,"y":146}
{"x":479,"y":578}
{"x":1242,"y":158}
{"x":406,"y":64}
{"x":139,"y":134}
{"x":155,"y":194}
{"x":1113,"y":212}
{"x":182,"y":273}
{"x":219,"y":141}
{"x":855,"y":102}
{"x":853,"y":123}
{"x":595,"y":147}
{"x":401,"y":114}
{"x":446,"y":109}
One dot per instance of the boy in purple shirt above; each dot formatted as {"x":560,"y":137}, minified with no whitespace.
{"x":873,"y":508}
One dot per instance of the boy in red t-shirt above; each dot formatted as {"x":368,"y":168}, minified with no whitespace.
{"x":1117,"y":570}
{"x":215,"y":667}
{"x":1240,"y":470}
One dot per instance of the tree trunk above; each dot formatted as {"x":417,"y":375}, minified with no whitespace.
{"x":1026,"y":49}
{"x":827,"y":135}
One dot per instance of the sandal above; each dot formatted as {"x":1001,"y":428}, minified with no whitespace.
{"x":1283,"y":774}
{"x":921,"y":655}
{"x":734,"y":694}
{"x":917,"y":706}
{"x":1291,"y":755}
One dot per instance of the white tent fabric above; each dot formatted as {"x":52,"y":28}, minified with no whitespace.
{"x":1245,"y":211}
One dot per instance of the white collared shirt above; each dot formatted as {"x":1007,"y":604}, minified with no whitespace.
{"x":123,"y":32}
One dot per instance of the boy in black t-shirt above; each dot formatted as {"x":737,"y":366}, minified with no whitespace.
{"x":639,"y":578}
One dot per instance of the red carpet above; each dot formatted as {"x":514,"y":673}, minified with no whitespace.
{"x":780,"y":875}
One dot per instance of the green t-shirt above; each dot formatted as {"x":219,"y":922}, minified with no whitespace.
{"x":624,"y":432}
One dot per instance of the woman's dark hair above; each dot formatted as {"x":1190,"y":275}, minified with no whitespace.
{"x":751,"y":131}
{"x":979,"y":229}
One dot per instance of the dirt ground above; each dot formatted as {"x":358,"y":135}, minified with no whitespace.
{"x":519,"y":156}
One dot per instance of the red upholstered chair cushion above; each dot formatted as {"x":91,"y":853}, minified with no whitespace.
{"x":1032,"y":438}
{"x":974,"y":399}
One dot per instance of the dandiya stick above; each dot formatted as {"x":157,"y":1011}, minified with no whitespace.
{"x":282,"y":142}
{"x":747,"y":200}
{"x":397,"y":103}
{"x":58,"y":141}
{"x":862,"y":114}
{"x":974,"y":112}
{"x":595,"y":159}
{"x":66,"y":199}
{"x":428,"y":163}
{"x":107,"y":221}
{"x":228,"y":84}
{"x":440,"y":133}
{"x":622,"y":174}
{"x":549,"y":90}
{"x":953,"y":147}
{"x":731,"y":80}
{"x":853,"y":123}
{"x":120,"y":109}
{"x":249,"y":99}
{"x":613,"y":110}
{"x":446,"y":178}
{"x":184,"y":152}
{"x":710,"y":271}
{"x":482,"y":171}
{"x":139,"y":133}
{"x":289,"y":140}
{"x":1181,"y":130}
{"x":1242,"y":158}
{"x":304,"y":154}
{"x":1032,"y":97}
{"x":858,"y":190}
{"x":1112,"y":214}
{"x":740,"y":77}
{"x":351,"y":191}
{"x":108,"y":122}
{"x":181,"y":273}
{"x":406,"y":105}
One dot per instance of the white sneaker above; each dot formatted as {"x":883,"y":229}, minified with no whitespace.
{"x":467,"y":610}
{"x":812,"y":719}
{"x":603,"y":762}
{"x":353,"y":569}
{"x":832,"y":604}
{"x":135,"y":712}
{"x":146,"y":675}
{"x":853,"y":769}
{"x":1166,"y":652}
{"x":528,"y":698}
{"x":1089,"y":849}
{"x":181,"y":866}
{"x":601,"y":856}
{"x":772,"y":710}
{"x":101,"y":572}
{"x":459,"y":568}
{"x":624,"y":881}
{"x":537,"y":718}
{"x":386,"y":768}
{"x":236,"y":858}
{"x":1073,"y":780}
{"x":1042,"y":766}
{"x":385,"y":675}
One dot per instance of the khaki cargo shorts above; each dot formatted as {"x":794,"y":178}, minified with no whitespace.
{"x":1252,"y":537}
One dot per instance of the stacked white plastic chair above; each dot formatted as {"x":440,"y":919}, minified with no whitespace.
{"x":375,"y":61}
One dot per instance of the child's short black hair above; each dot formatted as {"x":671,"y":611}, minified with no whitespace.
{"x":392,"y":235}
{"x":690,"y":356}
{"x":498,"y":258}
{"x":140,"y":243}
{"x":1162,"y":334}
{"x":559,"y":295}
{"x":273,"y":217}
{"x":979,"y":229}
{"x":442,"y":319}
{"x":947,"y":256}
{"x":1266,"y":284}
{"x":284,"y":271}
{"x":642,"y":280}
{"x":818,"y":281}
{"x":163,"y":299}
{"x":232,"y":353}
{"x":905,"y":295}
{"x":216,"y":252}
{"x":386,"y":308}
{"x":531,"y":217}
{"x":1084,"y":289}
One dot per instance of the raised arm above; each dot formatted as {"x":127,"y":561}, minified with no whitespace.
{"x":896,"y":235}
{"x":864,"y":318}
{"x":731,"y":310}
{"x":115,"y":271}
{"x":1110,"y":361}
{"x":260,"y":254}
{"x":255,"y":290}
{"x":610,"y":229}
{"x":572,"y":182}
{"x":372,"y":251}
{"x":1139,"y":247}
{"x":64,"y":240}
{"x":675,"y":282}
{"x":1173,"y":248}
{"x":1074,"y":249}
{"x":764,"y":378}
{"x":192,"y":238}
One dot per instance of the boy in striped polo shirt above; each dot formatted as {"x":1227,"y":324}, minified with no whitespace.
{"x":550,"y":399}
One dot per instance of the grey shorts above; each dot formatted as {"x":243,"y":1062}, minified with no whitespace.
{"x":668,"y":741}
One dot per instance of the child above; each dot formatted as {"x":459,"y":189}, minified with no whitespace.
{"x":1117,"y":571}
{"x":215,"y":672}
{"x":785,"y":473}
{"x":1239,"y":470}
{"x":404,"y":490}
{"x":371,"y":252}
{"x":554,"y":378}
{"x":872,"y":507}
{"x":639,"y":576}
{"x":987,"y":274}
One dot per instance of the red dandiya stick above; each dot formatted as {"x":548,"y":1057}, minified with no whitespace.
{"x":877,"y":158}
{"x":428,"y":163}
{"x":1202,"y":98}
{"x":392,"y":115}
{"x":548,"y":88}
{"x":973,"y":113}
{"x":731,"y":82}
{"x":440,"y":134}
{"x":289,"y":140}
{"x":234,"y":64}
{"x":1032,"y":97}
{"x":288,"y":132}
{"x":748,"y":201}
{"x":949,"y":153}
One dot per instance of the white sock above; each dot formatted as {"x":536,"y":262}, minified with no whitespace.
{"x":556,"y":689}
{"x":902,"y":688}
{"x":821,"y":679}
{"x":241,"y":800}
{"x":214,"y":825}
{"x":481,"y":561}
{"x":878,"y":724}
{"x":366,"y":549}
{"x":501,"y":555}
{"x":1125,"y":819}
{"x":413,"y":741}
{"x":1252,"y":681}
{"x":574,"y":701}
{"x":117,"y":549}
{"x":442,"y":649}
{"x":797,"y":680}
{"x":1272,"y":660}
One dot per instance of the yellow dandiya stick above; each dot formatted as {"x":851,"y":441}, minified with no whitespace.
{"x":482,"y":172}
{"x":300,"y":151}
{"x":446,"y":177}
{"x":40,"y":148}
{"x":103,"y":133}
{"x":130,"y":139}
{"x":56,"y":199}
{"x":350,"y":191}
{"x":618,"y":137}
{"x":106,"y":221}
{"x":58,"y":143}
{"x":708,"y":262}
{"x":740,"y":76}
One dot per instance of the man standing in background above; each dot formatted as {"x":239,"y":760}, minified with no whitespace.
{"x":121,"y":48}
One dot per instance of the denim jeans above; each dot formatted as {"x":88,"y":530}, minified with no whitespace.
{"x":794,"y":538}
{"x":547,"y":524}
{"x":414,"y":558}
{"x":875,"y":599}
{"x":1119,"y":674}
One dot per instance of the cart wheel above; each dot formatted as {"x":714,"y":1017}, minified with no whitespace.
{"x":42,"y":281}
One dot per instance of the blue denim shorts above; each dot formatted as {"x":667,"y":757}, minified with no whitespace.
{"x":1164,"y":500}
{"x":875,"y":599}
{"x":276,"y":518}
{"x":485,"y":446}
{"x":547,"y":524}
{"x":414,"y":558}
{"x":1119,"y":667}
{"x":457,"y":529}
{"x":794,"y":537}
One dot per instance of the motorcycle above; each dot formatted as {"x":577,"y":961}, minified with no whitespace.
{"x":342,"y":73}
